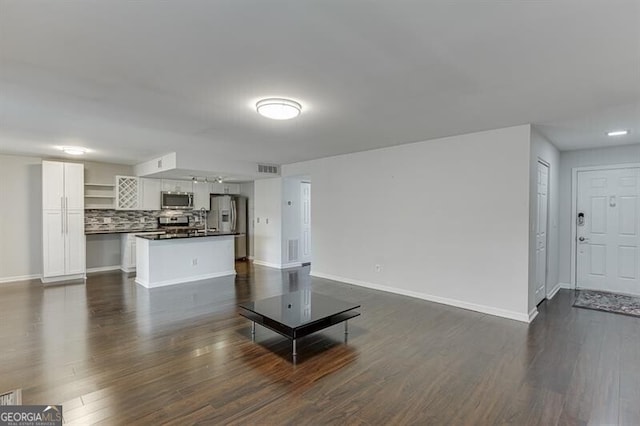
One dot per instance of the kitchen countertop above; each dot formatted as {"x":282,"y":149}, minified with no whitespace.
{"x":121,"y":231}
{"x":176,"y":236}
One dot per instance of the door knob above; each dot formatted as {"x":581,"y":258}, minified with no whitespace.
{"x":582,"y":239}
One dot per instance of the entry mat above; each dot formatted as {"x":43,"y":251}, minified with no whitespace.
{"x":608,"y":302}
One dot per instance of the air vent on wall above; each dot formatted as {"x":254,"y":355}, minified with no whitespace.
{"x":293,"y":250}
{"x":268,"y":168}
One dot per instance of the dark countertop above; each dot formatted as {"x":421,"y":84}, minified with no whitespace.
{"x":121,"y":231}
{"x":176,"y":236}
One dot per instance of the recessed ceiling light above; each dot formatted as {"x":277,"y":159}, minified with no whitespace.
{"x":278,"y":108}
{"x":74,"y":150}
{"x":618,"y":133}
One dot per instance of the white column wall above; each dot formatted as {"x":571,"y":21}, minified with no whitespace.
{"x":268,"y":222}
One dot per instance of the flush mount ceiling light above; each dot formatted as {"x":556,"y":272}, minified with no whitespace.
{"x":219,"y":179}
{"x":278,"y":108}
{"x":618,"y":133}
{"x":74,"y":150}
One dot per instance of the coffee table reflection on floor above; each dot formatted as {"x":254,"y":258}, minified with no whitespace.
{"x":298,"y":314}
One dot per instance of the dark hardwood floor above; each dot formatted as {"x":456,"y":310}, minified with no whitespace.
{"x":115,"y":353}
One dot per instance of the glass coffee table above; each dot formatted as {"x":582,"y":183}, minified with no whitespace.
{"x":298,"y":314}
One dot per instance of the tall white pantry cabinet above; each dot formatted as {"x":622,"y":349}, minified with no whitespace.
{"x":63,"y":239}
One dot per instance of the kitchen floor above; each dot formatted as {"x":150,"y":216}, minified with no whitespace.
{"x":113,"y":352}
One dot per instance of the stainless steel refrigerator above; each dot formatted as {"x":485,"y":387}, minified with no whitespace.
{"x":229,"y":214}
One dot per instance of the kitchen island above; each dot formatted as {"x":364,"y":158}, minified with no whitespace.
{"x":168,"y":259}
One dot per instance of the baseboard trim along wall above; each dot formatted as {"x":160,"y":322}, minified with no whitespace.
{"x":145,"y":283}
{"x":277,"y":265}
{"x":103,"y":269}
{"x":533,"y":314}
{"x":554,"y":291}
{"x":17,"y":278}
{"x":437,"y":299}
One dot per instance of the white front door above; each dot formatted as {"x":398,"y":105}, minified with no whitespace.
{"x":541,"y":232}
{"x":607,"y":229}
{"x":305,"y":187}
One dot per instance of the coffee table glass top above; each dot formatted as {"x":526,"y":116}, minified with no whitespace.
{"x":299,"y":307}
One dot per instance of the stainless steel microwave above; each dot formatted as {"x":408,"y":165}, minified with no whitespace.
{"x":177,"y":200}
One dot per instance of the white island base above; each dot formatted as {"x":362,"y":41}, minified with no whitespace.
{"x":179,"y":260}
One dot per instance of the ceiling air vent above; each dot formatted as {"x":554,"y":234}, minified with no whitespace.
{"x":268,"y":168}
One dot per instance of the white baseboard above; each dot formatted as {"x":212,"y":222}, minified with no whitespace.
{"x":63,"y":279}
{"x":568,"y":286}
{"x":553,"y":291}
{"x":522,"y":317}
{"x":277,"y":265}
{"x":103,"y":269}
{"x":19,"y":278}
{"x":533,"y":314}
{"x":145,"y":283}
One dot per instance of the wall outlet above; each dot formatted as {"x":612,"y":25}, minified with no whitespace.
{"x":378,"y":268}
{"x":106,"y":220}
{"x":194,"y":261}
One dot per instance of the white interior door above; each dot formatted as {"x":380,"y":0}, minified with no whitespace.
{"x":608,"y":206}
{"x":541,"y":232}
{"x":305,"y":188}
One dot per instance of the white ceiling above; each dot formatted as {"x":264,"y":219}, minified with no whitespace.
{"x":135,"y":79}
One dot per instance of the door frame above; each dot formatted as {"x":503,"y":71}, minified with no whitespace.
{"x":574,"y":210}
{"x":546,"y":232}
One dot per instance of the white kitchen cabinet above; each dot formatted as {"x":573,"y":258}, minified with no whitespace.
{"x":53,"y":243}
{"x":150,"y":190}
{"x":63,"y":187}
{"x":177,"y":185}
{"x":127,"y":193}
{"x":201,"y":194}
{"x":63,"y":221}
{"x":225,"y":188}
{"x":128,"y":252}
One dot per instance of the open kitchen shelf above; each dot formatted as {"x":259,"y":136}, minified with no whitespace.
{"x":99,"y":196}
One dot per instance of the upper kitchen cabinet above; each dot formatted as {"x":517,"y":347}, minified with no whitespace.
{"x":127,"y":193}
{"x":177,"y":185}
{"x":150,"y":190}
{"x":63,"y":185}
{"x":201,"y":194}
{"x":225,"y":188}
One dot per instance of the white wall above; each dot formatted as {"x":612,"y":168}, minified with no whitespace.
{"x":268,"y":222}
{"x":447,"y":220}
{"x":20,"y":217}
{"x":582,"y":158}
{"x":542,"y":148}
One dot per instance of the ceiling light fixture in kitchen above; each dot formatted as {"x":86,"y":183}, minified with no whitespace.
{"x":278,"y":108}
{"x":74,"y":150}
{"x":618,"y":133}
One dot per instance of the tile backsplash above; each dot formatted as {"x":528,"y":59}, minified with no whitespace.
{"x":135,"y":220}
